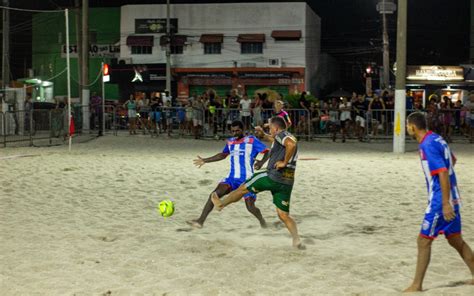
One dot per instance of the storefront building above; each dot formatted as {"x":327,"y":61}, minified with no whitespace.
{"x":424,"y":82}
{"x":223,"y":47}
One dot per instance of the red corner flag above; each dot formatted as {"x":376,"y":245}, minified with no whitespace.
{"x":72,"y":129}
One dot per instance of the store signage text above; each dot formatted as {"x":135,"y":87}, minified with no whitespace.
{"x":95,"y":51}
{"x":437,"y":73}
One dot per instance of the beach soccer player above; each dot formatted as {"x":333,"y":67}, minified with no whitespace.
{"x":242,"y":150}
{"x":278,"y":178}
{"x":442,"y":215}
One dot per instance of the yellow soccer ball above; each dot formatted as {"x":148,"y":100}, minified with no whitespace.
{"x":166,"y":208}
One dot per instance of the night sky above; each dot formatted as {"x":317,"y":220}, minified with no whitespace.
{"x":438,"y":31}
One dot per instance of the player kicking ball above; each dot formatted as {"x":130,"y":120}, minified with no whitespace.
{"x":278,"y":178}
{"x":242,"y":150}
{"x":442,"y":215}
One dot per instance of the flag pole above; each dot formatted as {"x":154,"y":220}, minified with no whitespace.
{"x":66,"y":12}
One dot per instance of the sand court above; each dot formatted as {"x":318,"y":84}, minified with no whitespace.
{"x":85,"y":223}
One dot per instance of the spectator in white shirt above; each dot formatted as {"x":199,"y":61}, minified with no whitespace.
{"x":245,"y":112}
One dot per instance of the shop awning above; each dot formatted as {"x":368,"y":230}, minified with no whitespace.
{"x":211,"y":38}
{"x":287,"y":35}
{"x":260,"y":38}
{"x":176,"y":40}
{"x":140,"y":40}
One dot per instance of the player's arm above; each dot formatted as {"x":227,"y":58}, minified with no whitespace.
{"x":290,"y":149}
{"x":288,"y":121}
{"x":199,"y":162}
{"x":259,"y":163}
{"x":448,"y":211}
{"x":262,"y":135}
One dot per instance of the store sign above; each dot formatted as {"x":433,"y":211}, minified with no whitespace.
{"x":207,"y":81}
{"x":95,"y":51}
{"x":435,"y":73}
{"x":157,"y":77}
{"x":286,"y":81}
{"x":209,"y":75}
{"x":155,"y":26}
{"x":137,"y":73}
{"x":264,"y":75}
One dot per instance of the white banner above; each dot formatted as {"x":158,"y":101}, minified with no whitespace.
{"x":95,"y":51}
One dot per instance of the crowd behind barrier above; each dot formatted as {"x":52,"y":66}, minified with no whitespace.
{"x":337,"y":119}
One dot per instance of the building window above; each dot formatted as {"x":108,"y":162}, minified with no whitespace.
{"x":212,"y":48}
{"x":141,"y":49}
{"x":251,"y":47}
{"x":176,"y":49}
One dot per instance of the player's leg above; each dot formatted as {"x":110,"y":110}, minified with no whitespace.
{"x":424,"y":255}
{"x":455,"y":239}
{"x":257,"y":183}
{"x":292,"y":228}
{"x":250,"y":204}
{"x":281,"y":199}
{"x":221,"y":190}
{"x":458,"y":243}
{"x":234,"y":196}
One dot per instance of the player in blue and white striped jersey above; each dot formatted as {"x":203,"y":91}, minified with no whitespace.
{"x":442,"y":216}
{"x":242,"y":150}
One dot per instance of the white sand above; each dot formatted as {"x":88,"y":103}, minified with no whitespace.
{"x":84,"y":223}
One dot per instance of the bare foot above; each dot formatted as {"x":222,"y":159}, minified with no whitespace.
{"x":216,"y":201}
{"x":194,"y":223}
{"x":470,"y":282}
{"x":298,"y":244}
{"x":412,"y":288}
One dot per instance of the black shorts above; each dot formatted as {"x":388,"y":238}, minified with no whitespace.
{"x":345,"y":123}
{"x":144,"y":115}
{"x":246,"y":120}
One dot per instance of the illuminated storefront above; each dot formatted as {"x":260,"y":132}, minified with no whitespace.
{"x":426,"y":82}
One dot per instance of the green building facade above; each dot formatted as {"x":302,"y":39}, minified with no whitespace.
{"x":49,"y":58}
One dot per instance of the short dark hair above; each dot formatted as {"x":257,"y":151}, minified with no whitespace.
{"x":280,"y":122}
{"x":418,"y":119}
{"x":237,"y":123}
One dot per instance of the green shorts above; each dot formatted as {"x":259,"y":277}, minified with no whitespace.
{"x":281,"y":192}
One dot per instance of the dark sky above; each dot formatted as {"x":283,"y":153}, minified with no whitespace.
{"x":438,"y":30}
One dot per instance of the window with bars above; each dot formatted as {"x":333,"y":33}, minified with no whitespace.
{"x":251,"y":47}
{"x":212,"y":48}
{"x":141,"y":49}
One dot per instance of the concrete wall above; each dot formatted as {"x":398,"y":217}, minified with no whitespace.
{"x":312,"y":48}
{"x":229,"y":19}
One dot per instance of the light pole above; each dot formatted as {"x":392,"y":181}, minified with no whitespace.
{"x":85,"y":66}
{"x":385,"y":7}
{"x":168,"y":49}
{"x":400,"y":92}
{"x":6,"y":46}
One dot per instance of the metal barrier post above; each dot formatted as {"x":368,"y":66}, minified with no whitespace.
{"x":368,"y":125}
{"x":4,"y":130}
{"x":30,"y":122}
{"x":115,"y":125}
{"x":50,"y":127}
